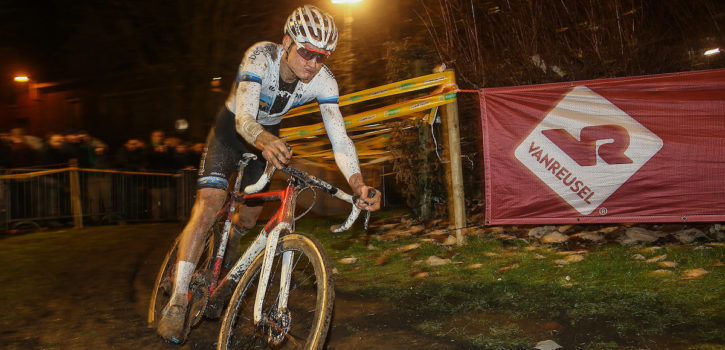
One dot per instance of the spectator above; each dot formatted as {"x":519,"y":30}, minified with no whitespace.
{"x":55,"y":194}
{"x":132,"y":156}
{"x":5,"y":150}
{"x":159,"y":153}
{"x":56,"y":152}
{"x":99,"y":184}
{"x":83,"y":146}
{"x":21,"y":153}
{"x":34,"y":142}
{"x":195,"y":152}
{"x":160,"y":159}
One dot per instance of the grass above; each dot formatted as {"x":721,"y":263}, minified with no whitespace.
{"x":607,"y":300}
{"x":517,"y":297}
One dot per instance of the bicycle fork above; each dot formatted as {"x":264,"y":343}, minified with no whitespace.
{"x":286,"y":272}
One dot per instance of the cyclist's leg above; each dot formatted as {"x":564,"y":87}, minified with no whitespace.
{"x":245,"y":218}
{"x":223,"y":150}
{"x":218,"y":162}
{"x":172,"y":325}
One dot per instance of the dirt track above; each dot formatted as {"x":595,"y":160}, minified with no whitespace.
{"x":89,"y":289}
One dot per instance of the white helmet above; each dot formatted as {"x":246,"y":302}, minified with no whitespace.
{"x":309,"y":24}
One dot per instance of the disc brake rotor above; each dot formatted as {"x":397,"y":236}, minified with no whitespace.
{"x":278,"y":326}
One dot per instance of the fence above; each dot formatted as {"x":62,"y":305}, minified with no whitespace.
{"x":32,"y":199}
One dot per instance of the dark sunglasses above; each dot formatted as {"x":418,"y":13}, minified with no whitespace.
{"x":308,"y":55}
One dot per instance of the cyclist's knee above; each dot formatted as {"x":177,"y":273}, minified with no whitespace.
{"x":210,"y":197}
{"x":249,"y":215}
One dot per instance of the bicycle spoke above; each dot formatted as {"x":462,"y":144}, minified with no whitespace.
{"x":300,"y":323}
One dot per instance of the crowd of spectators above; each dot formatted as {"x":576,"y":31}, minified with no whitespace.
{"x":158,"y":154}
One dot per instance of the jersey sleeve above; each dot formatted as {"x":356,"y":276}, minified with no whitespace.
{"x":247,"y":91}
{"x":342,"y":146}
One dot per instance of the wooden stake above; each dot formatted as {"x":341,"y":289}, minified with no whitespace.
{"x":75,"y":195}
{"x":454,"y":171}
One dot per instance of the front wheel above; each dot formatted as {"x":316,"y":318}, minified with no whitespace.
{"x":306,"y":319}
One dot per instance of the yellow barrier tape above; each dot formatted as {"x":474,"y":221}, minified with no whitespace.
{"x":63,"y":170}
{"x":426,"y":81}
{"x":308,"y":144}
{"x":319,"y":144}
{"x":374,"y":116}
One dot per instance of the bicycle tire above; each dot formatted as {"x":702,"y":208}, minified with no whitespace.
{"x":238,"y":330}
{"x":163,"y":285}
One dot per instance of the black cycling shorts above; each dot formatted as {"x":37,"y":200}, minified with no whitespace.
{"x":224,"y":149}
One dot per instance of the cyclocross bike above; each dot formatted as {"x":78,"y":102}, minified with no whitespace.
{"x":282,"y":284}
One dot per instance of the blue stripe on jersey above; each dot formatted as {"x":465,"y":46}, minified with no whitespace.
{"x":248,"y":76}
{"x":265,"y":102}
{"x":331,"y":99}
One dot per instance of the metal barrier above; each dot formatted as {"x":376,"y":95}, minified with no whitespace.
{"x":32,"y":199}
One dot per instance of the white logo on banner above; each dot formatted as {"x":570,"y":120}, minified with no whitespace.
{"x":586,"y":148}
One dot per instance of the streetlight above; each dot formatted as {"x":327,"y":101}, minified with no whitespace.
{"x":32,"y":87}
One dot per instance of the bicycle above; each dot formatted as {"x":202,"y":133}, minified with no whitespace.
{"x":279,"y":300}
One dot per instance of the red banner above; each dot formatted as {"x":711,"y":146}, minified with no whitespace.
{"x":637,"y":149}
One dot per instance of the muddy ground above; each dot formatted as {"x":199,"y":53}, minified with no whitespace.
{"x":89,"y":290}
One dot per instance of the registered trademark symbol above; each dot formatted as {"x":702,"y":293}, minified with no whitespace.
{"x":602,"y":211}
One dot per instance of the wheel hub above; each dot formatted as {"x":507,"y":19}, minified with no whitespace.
{"x":278,"y":323}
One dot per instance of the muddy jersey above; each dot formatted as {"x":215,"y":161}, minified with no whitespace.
{"x":259,"y":92}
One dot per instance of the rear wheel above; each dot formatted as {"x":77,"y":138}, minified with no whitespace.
{"x":198,"y":287}
{"x":305,"y":321}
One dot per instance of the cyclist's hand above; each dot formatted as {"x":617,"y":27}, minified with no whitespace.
{"x":273,"y":149}
{"x":368,"y":202}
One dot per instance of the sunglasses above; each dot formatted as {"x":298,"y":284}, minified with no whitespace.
{"x":309,"y":54}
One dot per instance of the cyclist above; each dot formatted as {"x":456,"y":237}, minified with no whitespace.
{"x":271,"y":80}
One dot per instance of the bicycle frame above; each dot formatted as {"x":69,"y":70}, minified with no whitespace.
{"x":266,"y":240}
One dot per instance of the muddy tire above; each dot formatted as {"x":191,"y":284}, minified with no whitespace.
{"x":163,"y":286}
{"x":305,"y":322}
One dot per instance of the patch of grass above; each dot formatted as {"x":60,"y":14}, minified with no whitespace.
{"x":609,"y":298}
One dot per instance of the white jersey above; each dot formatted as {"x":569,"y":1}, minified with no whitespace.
{"x":259,"y":92}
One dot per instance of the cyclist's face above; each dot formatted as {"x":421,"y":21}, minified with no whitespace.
{"x":304,"y":69}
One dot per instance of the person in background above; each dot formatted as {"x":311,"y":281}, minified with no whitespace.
{"x":22,"y":154}
{"x":195,"y":152}
{"x":55,"y":193}
{"x":56,"y":152}
{"x":5,"y":149}
{"x":132,"y":157}
{"x":99,"y":183}
{"x":160,"y":159}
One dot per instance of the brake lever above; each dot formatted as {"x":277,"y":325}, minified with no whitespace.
{"x":371,"y":194}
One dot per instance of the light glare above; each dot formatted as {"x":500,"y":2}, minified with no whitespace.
{"x":21,"y":79}
{"x":345,"y":1}
{"x":712,"y":51}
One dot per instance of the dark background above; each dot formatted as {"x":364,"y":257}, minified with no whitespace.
{"x":120,"y":69}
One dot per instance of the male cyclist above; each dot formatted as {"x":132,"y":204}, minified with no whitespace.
{"x":271,"y":80}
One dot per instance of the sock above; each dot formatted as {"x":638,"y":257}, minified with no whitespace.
{"x":184,"y":270}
